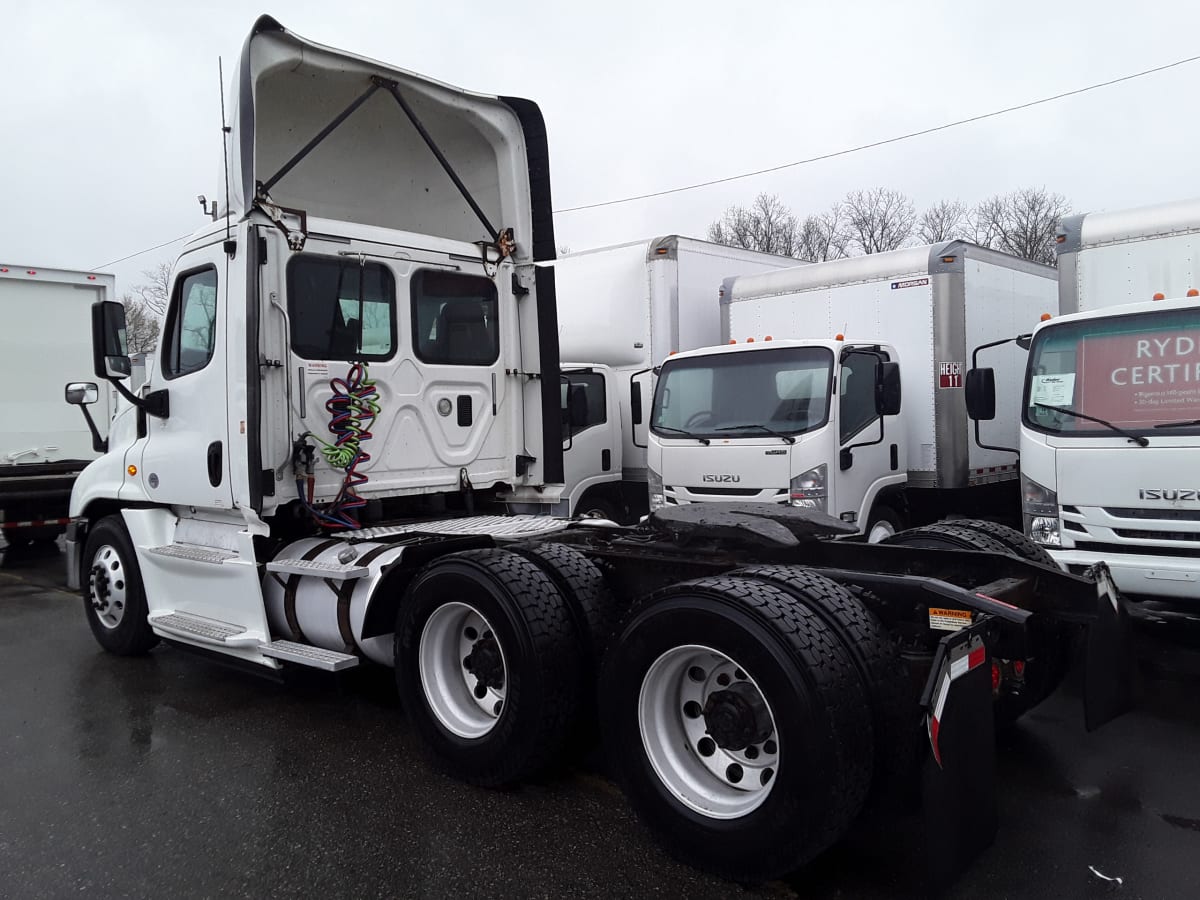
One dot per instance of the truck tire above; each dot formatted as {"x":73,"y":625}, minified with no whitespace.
{"x":487,"y":664}
{"x":895,"y":709}
{"x":738,"y":725}
{"x":1016,"y":542}
{"x":1047,"y":666}
{"x":599,"y":508}
{"x":114,"y":599}
{"x":588,"y":599}
{"x":883,"y":524}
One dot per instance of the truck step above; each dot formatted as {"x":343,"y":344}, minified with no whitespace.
{"x":213,"y":555}
{"x":331,"y":570}
{"x":308,"y":655}
{"x":210,"y":631}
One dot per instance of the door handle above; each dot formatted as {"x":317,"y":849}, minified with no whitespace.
{"x":215,"y":463}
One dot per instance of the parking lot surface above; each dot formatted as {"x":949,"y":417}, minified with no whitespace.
{"x":169,"y":775}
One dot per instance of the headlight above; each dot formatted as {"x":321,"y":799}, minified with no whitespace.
{"x":1039,"y":508}
{"x":654,"y":484}
{"x":808,"y":489}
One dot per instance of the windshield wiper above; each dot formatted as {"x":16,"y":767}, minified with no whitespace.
{"x":1136,"y":438}
{"x":787,"y":438}
{"x":680,"y":431}
{"x":1187,"y":423}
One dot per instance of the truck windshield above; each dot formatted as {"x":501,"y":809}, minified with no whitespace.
{"x":1137,"y":373}
{"x":784,"y":390}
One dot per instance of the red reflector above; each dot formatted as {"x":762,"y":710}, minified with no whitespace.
{"x":30,"y":272}
{"x":91,"y":278}
{"x":976,"y":657}
{"x":934,"y":728}
{"x":1019,"y":667}
{"x":995,"y":675}
{"x":4,"y":269}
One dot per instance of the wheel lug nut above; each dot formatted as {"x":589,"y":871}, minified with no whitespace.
{"x":751,"y":752}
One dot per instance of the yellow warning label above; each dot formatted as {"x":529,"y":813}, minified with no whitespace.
{"x":949,"y":619}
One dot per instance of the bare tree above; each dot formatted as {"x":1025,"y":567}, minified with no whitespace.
{"x":153,"y":293}
{"x":767,"y":225}
{"x":1021,"y":223}
{"x":141,"y":325}
{"x":946,"y":220}
{"x":823,"y":236}
{"x":879,"y":220}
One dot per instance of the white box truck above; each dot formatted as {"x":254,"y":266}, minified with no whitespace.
{"x":45,"y":341}
{"x":1110,"y":421}
{"x":789,"y":410}
{"x":627,"y":307}
{"x":350,"y":379}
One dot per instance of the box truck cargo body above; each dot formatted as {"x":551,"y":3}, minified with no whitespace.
{"x":1127,"y":256}
{"x":627,"y":308}
{"x":922,"y":307}
{"x":45,"y":341}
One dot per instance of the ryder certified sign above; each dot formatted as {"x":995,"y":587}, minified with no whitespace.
{"x":1140,"y":379}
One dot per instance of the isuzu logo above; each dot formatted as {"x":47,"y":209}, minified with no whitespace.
{"x":1163,"y":494}
{"x":721,"y":479}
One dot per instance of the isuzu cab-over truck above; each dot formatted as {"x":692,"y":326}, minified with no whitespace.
{"x":359,"y":358}
{"x":1110,"y":420}
{"x":802,"y":406}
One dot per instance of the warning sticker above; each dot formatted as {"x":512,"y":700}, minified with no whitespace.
{"x":909,"y":282}
{"x":319,"y":368}
{"x":949,"y":619}
{"x":950,"y":375}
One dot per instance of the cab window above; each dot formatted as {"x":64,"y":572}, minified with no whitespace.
{"x":857,"y":393}
{"x":341,"y":309}
{"x":454,"y":319}
{"x":191,"y":330}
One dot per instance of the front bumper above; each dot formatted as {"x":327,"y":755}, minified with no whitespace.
{"x":1160,"y":576}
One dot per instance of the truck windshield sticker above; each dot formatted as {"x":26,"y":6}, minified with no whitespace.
{"x":1053,"y":390}
{"x":909,"y":282}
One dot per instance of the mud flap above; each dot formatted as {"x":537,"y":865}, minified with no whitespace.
{"x":1109,"y":671}
{"x":958,"y":777}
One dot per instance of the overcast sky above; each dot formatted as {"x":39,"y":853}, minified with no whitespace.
{"x":111,"y":116}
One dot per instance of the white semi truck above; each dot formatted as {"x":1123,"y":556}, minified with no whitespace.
{"x":1110,"y":419}
{"x":802,"y":406}
{"x":45,"y":341}
{"x":359,"y":361}
{"x":627,"y":307}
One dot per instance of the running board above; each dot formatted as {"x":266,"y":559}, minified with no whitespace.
{"x":198,"y":628}
{"x":213,"y":555}
{"x":331,"y":570}
{"x":308,"y":655}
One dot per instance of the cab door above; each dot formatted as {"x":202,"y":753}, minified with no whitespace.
{"x":859,"y":427}
{"x":185,"y":457}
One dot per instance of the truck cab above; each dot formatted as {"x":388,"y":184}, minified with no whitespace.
{"x":1110,"y":435}
{"x":812,"y":424}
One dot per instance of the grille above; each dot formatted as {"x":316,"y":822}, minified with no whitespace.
{"x":723,"y":492}
{"x":1138,"y":534}
{"x":1178,"y":515}
{"x":1127,"y":549}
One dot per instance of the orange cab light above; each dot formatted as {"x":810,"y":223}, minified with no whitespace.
{"x":1160,"y":296}
{"x":1060,"y":239}
{"x":1046,"y":317}
{"x":672,"y":353}
{"x":749,"y":340}
{"x":839,"y":337}
{"x":767,"y":338}
{"x":1192,"y":292}
{"x":132,"y":470}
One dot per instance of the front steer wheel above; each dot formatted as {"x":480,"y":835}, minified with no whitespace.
{"x":738,"y":726}
{"x":487,"y":664}
{"x":113,"y":597}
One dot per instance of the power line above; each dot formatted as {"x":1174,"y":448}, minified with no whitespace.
{"x":140,"y":252}
{"x":881,"y":143}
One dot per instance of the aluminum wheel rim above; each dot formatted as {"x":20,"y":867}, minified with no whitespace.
{"x":880,"y":531}
{"x":461,"y":701}
{"x":107,"y":587}
{"x":699,"y":773}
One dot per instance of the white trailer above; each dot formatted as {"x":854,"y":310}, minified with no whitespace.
{"x":45,"y":341}
{"x":802,"y":364}
{"x":360,"y":359}
{"x":628,"y":307}
{"x":1110,"y":422}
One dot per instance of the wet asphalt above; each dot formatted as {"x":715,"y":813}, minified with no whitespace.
{"x":170,"y":775}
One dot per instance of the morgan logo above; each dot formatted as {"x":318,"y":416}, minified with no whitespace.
{"x":1161,"y":494}
{"x":721,"y":479}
